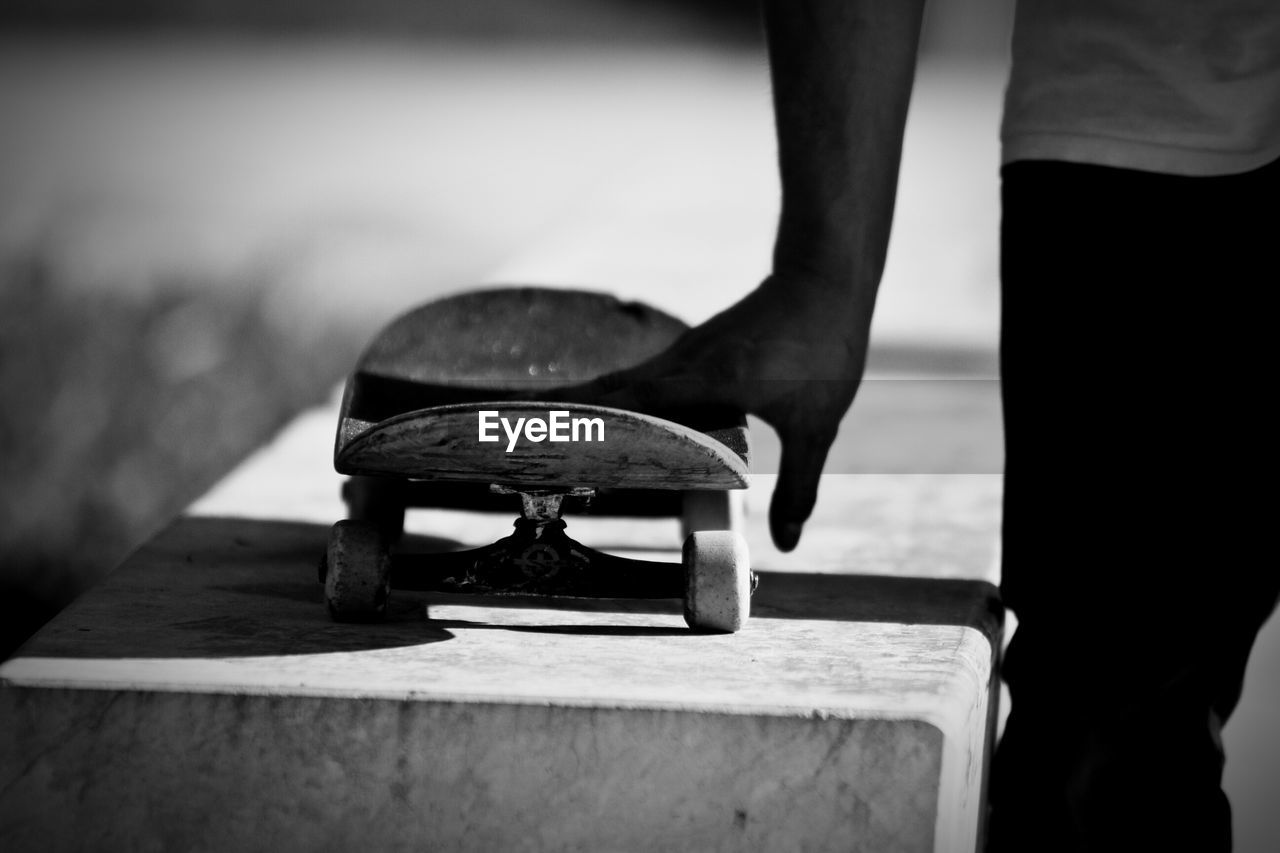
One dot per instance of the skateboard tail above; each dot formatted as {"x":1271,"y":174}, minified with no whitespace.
{"x":539,"y":444}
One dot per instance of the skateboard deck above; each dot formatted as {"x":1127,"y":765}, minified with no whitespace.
{"x":411,"y":406}
{"x":426,"y":420}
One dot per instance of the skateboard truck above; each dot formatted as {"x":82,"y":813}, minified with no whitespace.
{"x":538,"y":558}
{"x":543,"y":504}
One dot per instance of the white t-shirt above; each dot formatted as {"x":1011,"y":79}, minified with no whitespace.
{"x":1188,"y":87}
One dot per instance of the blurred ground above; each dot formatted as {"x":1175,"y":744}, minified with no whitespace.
{"x":198,"y":232}
{"x":119,"y":410}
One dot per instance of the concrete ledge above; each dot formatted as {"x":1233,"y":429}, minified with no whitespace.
{"x":201,"y":699}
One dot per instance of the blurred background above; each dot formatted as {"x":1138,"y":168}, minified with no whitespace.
{"x":207,"y":207}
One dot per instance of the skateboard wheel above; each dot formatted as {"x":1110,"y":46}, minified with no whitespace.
{"x":712,"y":510}
{"x":717,"y":569}
{"x":377,"y":500}
{"x":358,"y":578}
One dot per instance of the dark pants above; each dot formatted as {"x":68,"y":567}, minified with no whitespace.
{"x":1137,"y":358}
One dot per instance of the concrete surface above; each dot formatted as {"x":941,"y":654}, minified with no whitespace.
{"x":201,"y":698}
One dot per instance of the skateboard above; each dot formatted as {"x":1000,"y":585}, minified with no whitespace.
{"x":454,"y":405}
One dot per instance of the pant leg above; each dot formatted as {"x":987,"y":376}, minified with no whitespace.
{"x":1134,"y":378}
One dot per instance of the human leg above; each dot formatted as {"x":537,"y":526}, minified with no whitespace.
{"x":1131,"y":355}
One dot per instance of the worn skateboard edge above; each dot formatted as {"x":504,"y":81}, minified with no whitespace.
{"x":369,"y":399}
{"x":635,"y":451}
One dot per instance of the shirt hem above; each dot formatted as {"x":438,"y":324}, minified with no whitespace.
{"x":1133,"y":154}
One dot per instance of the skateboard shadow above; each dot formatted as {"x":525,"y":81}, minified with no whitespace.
{"x":779,"y":595}
{"x":225,"y":588}
{"x":904,"y":600}
{"x":235,"y":587}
